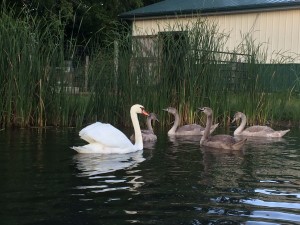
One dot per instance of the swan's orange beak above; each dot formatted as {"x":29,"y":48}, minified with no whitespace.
{"x":144,"y":112}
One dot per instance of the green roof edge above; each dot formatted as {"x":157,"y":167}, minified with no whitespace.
{"x":269,"y":6}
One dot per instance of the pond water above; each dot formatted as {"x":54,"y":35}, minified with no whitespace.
{"x":172,"y":181}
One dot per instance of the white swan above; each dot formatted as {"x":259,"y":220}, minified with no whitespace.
{"x":148,"y":135}
{"x":218,"y":141}
{"x":257,"y":131}
{"x":189,"y":129}
{"x":106,"y":139}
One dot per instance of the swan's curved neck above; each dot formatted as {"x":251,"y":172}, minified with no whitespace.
{"x":149,"y":125}
{"x":242,"y":125}
{"x":207,"y":129}
{"x":175,"y":125}
{"x":137,"y":130}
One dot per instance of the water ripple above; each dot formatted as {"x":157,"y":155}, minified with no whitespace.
{"x":277,"y":192}
{"x":275,"y":215}
{"x":259,"y":202}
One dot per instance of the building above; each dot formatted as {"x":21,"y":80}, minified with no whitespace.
{"x":272,"y":23}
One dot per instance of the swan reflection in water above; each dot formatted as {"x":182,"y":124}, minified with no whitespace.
{"x":263,"y":142}
{"x":101,"y":168}
{"x":225,"y":167}
{"x":188,"y":139}
{"x":222,"y":167}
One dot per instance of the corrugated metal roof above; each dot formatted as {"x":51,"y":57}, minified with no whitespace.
{"x":181,"y":7}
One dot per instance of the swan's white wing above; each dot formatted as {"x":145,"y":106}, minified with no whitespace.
{"x":105,"y":134}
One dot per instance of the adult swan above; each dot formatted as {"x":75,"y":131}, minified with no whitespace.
{"x":106,"y":139}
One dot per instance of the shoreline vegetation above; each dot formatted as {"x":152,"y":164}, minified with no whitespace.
{"x":46,"y":80}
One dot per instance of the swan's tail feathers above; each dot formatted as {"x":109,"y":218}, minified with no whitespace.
{"x":239,"y":145}
{"x":87,"y":139}
{"x":283,"y":132}
{"x":81,"y":149}
{"x":213,"y":127}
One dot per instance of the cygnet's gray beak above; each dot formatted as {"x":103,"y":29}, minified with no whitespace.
{"x":154,"y":117}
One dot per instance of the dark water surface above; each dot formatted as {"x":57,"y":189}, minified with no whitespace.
{"x":173,"y":181}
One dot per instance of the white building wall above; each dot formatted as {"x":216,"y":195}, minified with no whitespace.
{"x":277,"y":31}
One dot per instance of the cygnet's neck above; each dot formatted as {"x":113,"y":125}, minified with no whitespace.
{"x":207,"y":128}
{"x":175,"y":125}
{"x":149,"y":125}
{"x":242,"y":125}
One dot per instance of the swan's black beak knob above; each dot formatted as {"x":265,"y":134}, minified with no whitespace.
{"x":144,"y":112}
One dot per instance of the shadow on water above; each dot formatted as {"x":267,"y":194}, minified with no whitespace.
{"x":177,"y":140}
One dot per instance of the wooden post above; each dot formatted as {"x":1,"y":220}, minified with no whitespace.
{"x":40,"y":119}
{"x":116,"y":63}
{"x":86,"y":68}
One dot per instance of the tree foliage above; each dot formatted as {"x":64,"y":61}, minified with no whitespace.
{"x":81,"y":18}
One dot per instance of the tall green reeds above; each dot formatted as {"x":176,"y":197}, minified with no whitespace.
{"x":184,"y":66}
{"x":33,"y":80}
{"x":20,"y":79}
